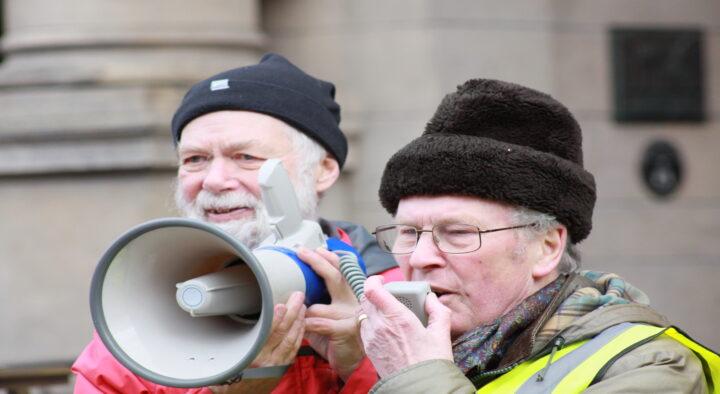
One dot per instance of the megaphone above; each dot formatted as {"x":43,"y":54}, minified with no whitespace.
{"x":182,"y":303}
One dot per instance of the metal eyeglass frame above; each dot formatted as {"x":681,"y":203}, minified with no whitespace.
{"x":418,"y":232}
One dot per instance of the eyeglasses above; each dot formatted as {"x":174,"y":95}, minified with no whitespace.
{"x":449,"y":238}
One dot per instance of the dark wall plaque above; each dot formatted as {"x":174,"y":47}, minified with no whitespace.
{"x":658,"y":75}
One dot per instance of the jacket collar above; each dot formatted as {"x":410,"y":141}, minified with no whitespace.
{"x":528,"y":344}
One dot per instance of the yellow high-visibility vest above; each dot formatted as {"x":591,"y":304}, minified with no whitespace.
{"x":575,"y":367}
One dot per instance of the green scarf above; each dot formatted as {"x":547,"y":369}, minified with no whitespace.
{"x":609,"y":289}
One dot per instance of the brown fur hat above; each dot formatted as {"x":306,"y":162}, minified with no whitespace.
{"x":503,"y":142}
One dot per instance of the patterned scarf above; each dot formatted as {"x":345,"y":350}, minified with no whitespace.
{"x":484,"y":346}
{"x":610,"y":289}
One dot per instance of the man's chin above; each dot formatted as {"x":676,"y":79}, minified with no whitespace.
{"x":248,"y":232}
{"x":233,"y":226}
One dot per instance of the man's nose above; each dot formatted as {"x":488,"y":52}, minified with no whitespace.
{"x":427,"y":255}
{"x":221,"y":176}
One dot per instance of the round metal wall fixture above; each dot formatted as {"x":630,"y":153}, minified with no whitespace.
{"x":662,"y":168}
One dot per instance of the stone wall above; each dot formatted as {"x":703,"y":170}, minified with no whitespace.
{"x":394,"y":61}
{"x":87,"y":90}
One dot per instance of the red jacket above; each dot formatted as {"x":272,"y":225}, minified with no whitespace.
{"x":97,"y":371}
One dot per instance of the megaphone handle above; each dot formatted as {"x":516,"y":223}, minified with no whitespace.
{"x":281,"y":203}
{"x":411,"y":294}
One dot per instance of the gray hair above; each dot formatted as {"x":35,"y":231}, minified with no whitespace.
{"x":570,"y":260}
{"x":308,"y":153}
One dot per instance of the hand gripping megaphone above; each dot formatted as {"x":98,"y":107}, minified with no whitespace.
{"x":182,"y":303}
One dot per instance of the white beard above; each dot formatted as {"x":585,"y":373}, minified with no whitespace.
{"x":253,"y":230}
{"x":249,"y":231}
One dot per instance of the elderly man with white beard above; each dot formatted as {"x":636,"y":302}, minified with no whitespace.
{"x":226,"y":127}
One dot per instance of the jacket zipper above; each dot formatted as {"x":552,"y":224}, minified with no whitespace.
{"x":557,"y":345}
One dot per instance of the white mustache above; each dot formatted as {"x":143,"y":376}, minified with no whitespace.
{"x":206,"y":201}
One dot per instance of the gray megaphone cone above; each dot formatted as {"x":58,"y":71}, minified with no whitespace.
{"x":136,"y":313}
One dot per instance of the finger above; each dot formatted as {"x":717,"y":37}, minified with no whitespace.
{"x":283,"y":317}
{"x":321,"y":264}
{"x":286,"y":350}
{"x":275,"y":337}
{"x":279,"y":312}
{"x":325,"y":264}
{"x":330,"y":256}
{"x":325,"y":326}
{"x":439,"y":326}
{"x":331,"y":311}
{"x":343,"y":287}
{"x":319,"y":325}
{"x":299,"y":337}
{"x":438,"y":314}
{"x":380,"y":298}
{"x":295,"y":307}
{"x":359,"y":311}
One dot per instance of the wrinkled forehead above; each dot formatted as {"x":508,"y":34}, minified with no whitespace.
{"x":436,"y":209}
{"x":236,"y":127}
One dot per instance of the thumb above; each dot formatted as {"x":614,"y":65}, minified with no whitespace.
{"x":438,"y":315}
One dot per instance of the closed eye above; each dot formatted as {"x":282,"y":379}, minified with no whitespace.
{"x":247,"y":161}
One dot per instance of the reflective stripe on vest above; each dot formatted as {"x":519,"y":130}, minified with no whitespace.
{"x":576,"y":366}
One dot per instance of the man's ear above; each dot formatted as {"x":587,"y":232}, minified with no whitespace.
{"x":327,"y":172}
{"x":551,"y":249}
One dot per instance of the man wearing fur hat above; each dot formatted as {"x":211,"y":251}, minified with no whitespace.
{"x":224,"y":129}
{"x":488,"y":205}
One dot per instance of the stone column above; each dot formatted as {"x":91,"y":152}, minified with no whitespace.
{"x":87,"y":70}
{"x":87,"y":90}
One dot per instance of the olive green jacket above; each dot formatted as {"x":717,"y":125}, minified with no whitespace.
{"x":662,"y":365}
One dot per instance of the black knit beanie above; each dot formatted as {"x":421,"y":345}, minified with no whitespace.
{"x":273,"y":87}
{"x":503,"y":142}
